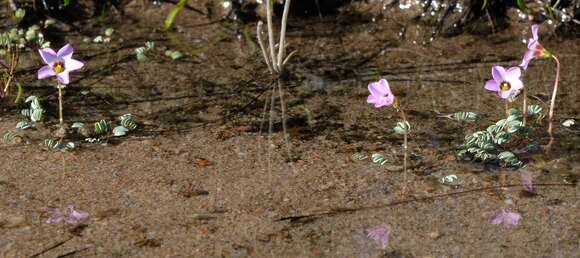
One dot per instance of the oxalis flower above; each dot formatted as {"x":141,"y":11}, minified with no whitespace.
{"x":535,"y":49}
{"x":381,"y":94}
{"x":58,"y":64}
{"x":505,"y":83}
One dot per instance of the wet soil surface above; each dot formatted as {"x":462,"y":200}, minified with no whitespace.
{"x":204,"y":177}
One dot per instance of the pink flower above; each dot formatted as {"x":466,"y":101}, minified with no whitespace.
{"x":505,"y":83}
{"x":381,"y":94}
{"x":70,"y":216}
{"x":58,"y":64}
{"x":506,"y":217}
{"x":380,"y":235}
{"x":535,"y":49}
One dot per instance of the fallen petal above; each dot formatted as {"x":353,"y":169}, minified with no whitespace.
{"x":380,"y":235}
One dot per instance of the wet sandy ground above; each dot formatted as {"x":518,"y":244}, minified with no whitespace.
{"x":149,"y":195}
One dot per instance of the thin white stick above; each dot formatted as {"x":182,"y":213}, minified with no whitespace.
{"x":261,"y":43}
{"x":271,"y":34}
{"x":288,"y":57}
{"x":282,"y":47}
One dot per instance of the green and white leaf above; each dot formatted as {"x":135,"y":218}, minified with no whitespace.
{"x":569,"y":123}
{"x":534,"y":109}
{"x":120,"y":131}
{"x":402,"y":127}
{"x":77,"y":125}
{"x":101,"y":127}
{"x":378,"y":159}
{"x":24,"y":125}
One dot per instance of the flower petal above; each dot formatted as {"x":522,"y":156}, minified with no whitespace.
{"x":528,"y":56}
{"x":513,"y":73}
{"x":48,"y":55}
{"x":535,"y":31}
{"x":45,"y":72}
{"x":378,"y":101}
{"x":516,"y":84}
{"x":505,"y":94}
{"x":380,"y":88}
{"x":72,"y":64}
{"x":492,"y":85}
{"x":63,"y":77}
{"x":532,"y":43}
{"x":65,"y":52}
{"x":389,"y":99}
{"x":498,"y":73}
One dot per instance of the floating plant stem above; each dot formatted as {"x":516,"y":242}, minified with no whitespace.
{"x":553,"y":100}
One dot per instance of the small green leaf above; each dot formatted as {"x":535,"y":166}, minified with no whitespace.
{"x":77,"y":125}
{"x":534,"y":109}
{"x":109,"y":32}
{"x":24,"y":125}
{"x":173,"y":13}
{"x":569,"y":123}
{"x":402,"y":127}
{"x":120,"y":131}
{"x":378,"y":159}
{"x":101,"y":127}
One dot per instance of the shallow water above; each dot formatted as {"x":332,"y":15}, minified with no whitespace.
{"x":148,"y":196}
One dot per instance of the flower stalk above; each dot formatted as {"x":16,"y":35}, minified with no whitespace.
{"x":59,"y":64}
{"x":554,"y":92}
{"x":60,"y":119}
{"x":381,"y":96}
{"x":525,"y":106}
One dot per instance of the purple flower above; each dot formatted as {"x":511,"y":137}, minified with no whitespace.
{"x":535,"y":49}
{"x":505,"y":83}
{"x":380,"y":235}
{"x":58,"y":64}
{"x":70,"y":216}
{"x":381,"y":94}
{"x":526,"y":180}
{"x":506,"y":217}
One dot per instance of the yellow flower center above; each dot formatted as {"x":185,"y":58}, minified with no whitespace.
{"x":58,"y":67}
{"x":505,"y":86}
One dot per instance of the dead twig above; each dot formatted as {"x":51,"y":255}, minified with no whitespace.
{"x":340,"y":210}
{"x":56,"y":245}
